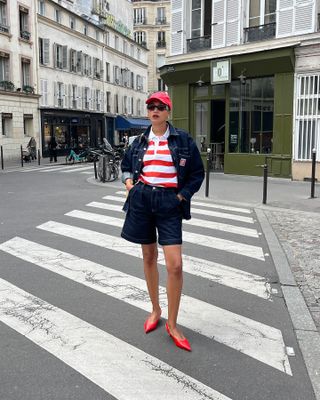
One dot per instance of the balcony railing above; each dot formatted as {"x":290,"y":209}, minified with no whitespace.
{"x":140,"y":21}
{"x":260,"y":32}
{"x":4,"y":28}
{"x":161,"y":21}
{"x":199,"y":43}
{"x":161,"y":45}
{"x":25,"y":35}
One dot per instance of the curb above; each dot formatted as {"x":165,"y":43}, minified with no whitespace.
{"x":305,"y":329}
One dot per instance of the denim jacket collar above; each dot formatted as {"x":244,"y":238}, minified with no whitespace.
{"x":145,"y":135}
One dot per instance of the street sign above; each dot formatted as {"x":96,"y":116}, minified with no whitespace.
{"x":220,"y":71}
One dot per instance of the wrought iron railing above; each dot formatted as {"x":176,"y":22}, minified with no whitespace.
{"x":161,"y":21}
{"x":199,"y":43}
{"x":161,"y":44}
{"x":4,"y":28}
{"x":260,"y":32}
{"x":25,"y":35}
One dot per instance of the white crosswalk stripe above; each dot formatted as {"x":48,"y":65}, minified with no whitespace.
{"x":219,"y":273}
{"x":198,"y":203}
{"x":254,"y":339}
{"x":110,"y":363}
{"x":209,"y":213}
{"x":230,"y":246}
{"x":239,"y":230}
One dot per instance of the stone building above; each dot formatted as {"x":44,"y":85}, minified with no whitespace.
{"x":152,"y":29}
{"x":18,"y":79}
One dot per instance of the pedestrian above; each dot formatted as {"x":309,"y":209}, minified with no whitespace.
{"x":161,"y":170}
{"x":52,"y":145}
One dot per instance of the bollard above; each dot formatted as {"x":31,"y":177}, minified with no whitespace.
{"x":1,"y":153}
{"x":38,"y":156}
{"x":21,"y":154}
{"x":313,"y":172}
{"x":104,"y":167}
{"x":208,"y":172}
{"x":95,"y":168}
{"x":265,"y":182}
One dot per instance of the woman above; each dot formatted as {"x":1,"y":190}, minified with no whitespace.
{"x":162,"y":169}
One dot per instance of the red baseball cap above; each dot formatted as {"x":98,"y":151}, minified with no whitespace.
{"x":163,"y":97}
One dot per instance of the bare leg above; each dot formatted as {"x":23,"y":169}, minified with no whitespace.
{"x":150,"y":256}
{"x":174,"y":286}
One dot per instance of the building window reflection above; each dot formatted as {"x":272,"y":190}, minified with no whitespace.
{"x":251,"y":115}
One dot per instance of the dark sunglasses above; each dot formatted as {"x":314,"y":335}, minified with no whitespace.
{"x":160,"y":107}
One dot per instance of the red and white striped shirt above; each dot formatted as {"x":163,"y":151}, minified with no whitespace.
{"x":158,"y":168}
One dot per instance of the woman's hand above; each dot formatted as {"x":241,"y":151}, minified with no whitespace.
{"x":129,"y":184}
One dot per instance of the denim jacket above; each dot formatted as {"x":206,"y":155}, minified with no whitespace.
{"x":186,"y":159}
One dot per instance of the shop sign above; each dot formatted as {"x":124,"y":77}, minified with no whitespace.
{"x":233,"y":139}
{"x":220,"y":71}
{"x":119,"y":26}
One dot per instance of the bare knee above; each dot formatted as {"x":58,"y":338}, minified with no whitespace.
{"x":150,"y":254}
{"x":174,"y":268}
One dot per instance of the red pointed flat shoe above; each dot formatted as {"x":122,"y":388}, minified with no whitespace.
{"x":150,"y":326}
{"x":182,"y":343}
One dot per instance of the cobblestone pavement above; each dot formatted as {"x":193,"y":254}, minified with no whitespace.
{"x":299,"y":235}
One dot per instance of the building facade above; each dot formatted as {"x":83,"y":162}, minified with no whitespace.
{"x":152,"y":21}
{"x":79,"y":71}
{"x":240,"y":82}
{"x":18,"y":79}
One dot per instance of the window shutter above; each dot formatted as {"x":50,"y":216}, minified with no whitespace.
{"x":79,"y":61}
{"x":233,"y":22}
{"x":218,"y":23}
{"x":64,"y":57}
{"x":63,"y":96}
{"x":55,"y":62}
{"x":285,"y":18}
{"x":177,"y":31}
{"x":83,"y":97}
{"x":45,"y":92}
{"x":304,"y":21}
{"x":70,"y":98}
{"x":46,"y":52}
{"x":55,"y":94}
{"x":92,"y":101}
{"x":79,"y":97}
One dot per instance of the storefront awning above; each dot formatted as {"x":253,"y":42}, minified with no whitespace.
{"x":123,"y":123}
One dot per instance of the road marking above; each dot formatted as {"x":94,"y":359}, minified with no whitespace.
{"x":109,"y":362}
{"x":230,"y":246}
{"x":222,"y":274}
{"x":58,"y":168}
{"x":210,"y":205}
{"x":218,"y":226}
{"x":78,"y":169}
{"x":257,"y":340}
{"x":86,"y":173}
{"x":209,"y":213}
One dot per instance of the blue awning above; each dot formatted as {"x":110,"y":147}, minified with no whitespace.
{"x":123,"y":123}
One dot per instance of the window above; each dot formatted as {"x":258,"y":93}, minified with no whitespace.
{"x":4,"y":66}
{"x":107,"y":38}
{"x":72,"y":23}
{"x":86,"y":65}
{"x":116,"y":74}
{"x":98,"y":100}
{"x":44,"y":57}
{"x":28,"y":124}
{"x":262,"y":12}
{"x":116,"y":104}
{"x":125,"y":105}
{"x":97,"y":71}
{"x":86,"y":98}
{"x":74,"y":96}
{"x":60,"y":94}
{"x":161,"y":39}
{"x":139,"y":82}
{"x":138,"y":54}
{"x":132,"y":50}
{"x":61,"y":56}
{"x":108,"y":101}
{"x":161,"y":85}
{"x":24,"y":23}
{"x":161,"y":15}
{"x":251,"y":115}
{"x":138,"y":107}
{"x":41,"y":7}
{"x":97,"y":35}
{"x":85,"y":29}
{"x":3,"y":17}
{"x":25,"y":71}
{"x":139,"y":16}
{"x":140,"y":37}
{"x":125,"y":47}
{"x":201,"y":12}
{"x":73,"y":60}
{"x":107,"y":72}
{"x":6,"y":122}
{"x":57,"y":15}
{"x":116,"y":42}
{"x":307,"y":118}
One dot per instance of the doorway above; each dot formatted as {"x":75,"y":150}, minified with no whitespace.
{"x":217,"y":133}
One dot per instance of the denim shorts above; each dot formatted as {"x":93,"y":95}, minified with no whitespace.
{"x":153,"y":210}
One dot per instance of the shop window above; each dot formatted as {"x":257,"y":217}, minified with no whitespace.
{"x":307,"y":118}
{"x":251,"y":115}
{"x":201,"y":122}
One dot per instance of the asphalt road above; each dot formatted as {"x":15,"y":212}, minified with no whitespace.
{"x":73,"y":302}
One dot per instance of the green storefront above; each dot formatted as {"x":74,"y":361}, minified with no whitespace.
{"x":245,"y":122}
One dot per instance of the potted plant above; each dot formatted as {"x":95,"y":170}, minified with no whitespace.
{"x":7,"y":85}
{"x":28,"y":89}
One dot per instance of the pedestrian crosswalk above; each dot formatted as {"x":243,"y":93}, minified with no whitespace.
{"x":85,"y":168}
{"x":112,"y":363}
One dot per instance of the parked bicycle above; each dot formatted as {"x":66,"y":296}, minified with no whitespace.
{"x":108,"y":167}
